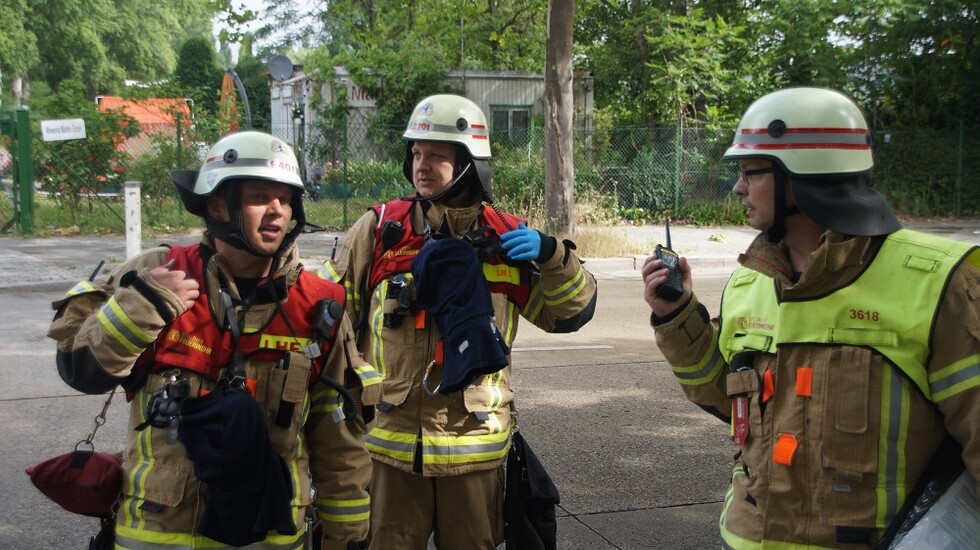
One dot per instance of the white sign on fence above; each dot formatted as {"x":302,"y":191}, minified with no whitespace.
{"x":60,"y":130}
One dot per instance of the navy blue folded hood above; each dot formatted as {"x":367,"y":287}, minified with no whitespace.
{"x":450,"y":286}
{"x":248,"y":487}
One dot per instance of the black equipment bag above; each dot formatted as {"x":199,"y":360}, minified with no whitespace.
{"x":529,"y":500}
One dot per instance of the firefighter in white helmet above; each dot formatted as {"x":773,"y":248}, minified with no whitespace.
{"x":847,"y":347}
{"x":236,"y":362}
{"x":438,"y":455}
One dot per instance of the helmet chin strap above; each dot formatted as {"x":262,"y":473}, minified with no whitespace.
{"x":451,"y":191}
{"x":232,"y":232}
{"x":777,"y":231}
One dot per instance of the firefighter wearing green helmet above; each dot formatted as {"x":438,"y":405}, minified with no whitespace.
{"x":846,"y":352}
{"x":234,"y":359}
{"x":438,"y":455}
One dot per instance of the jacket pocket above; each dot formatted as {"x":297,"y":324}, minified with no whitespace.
{"x":166,"y":483}
{"x":394,"y":392}
{"x":486,"y":404}
{"x":849,"y":451}
{"x":282,"y":401}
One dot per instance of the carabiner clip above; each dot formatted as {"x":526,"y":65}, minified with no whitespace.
{"x":425,"y":380}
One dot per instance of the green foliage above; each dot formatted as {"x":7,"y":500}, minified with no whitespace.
{"x":518,"y":174}
{"x":656,"y":63}
{"x":151,"y":166}
{"x":398,"y":80}
{"x":935,"y":187}
{"x":18,"y":46}
{"x":727,"y":211}
{"x":198,"y":74}
{"x":380,"y":180}
{"x":104,"y":42}
{"x":251,"y":71}
{"x":72,"y":46}
{"x":696,"y":71}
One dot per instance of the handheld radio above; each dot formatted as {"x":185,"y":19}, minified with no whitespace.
{"x":673,"y":287}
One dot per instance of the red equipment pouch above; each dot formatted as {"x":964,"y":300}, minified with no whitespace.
{"x":82,"y":481}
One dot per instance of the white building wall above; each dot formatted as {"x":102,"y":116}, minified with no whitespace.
{"x":485,"y":88}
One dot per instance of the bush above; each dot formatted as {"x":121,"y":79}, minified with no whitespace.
{"x":378,"y":179}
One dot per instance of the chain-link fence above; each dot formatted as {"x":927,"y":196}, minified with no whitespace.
{"x":635,"y":173}
{"x":627,"y":173}
{"x":6,"y":180}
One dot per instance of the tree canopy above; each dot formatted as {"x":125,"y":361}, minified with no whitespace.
{"x":655,"y":62}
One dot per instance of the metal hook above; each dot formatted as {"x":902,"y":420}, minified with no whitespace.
{"x":100,"y":418}
{"x":425,"y":380}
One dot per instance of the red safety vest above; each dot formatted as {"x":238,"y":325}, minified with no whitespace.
{"x":195,"y":342}
{"x":503,"y":276}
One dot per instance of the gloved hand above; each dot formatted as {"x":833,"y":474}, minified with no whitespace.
{"x":522,"y":243}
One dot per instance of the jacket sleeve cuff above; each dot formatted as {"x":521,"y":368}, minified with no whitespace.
{"x":549,"y":245}
{"x":561,"y":254}
{"x":682,"y":327}
{"x":165,"y":302}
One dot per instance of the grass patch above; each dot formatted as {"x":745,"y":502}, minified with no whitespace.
{"x":608,"y":242}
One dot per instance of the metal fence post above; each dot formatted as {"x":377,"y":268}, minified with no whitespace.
{"x":25,"y":170}
{"x":347,"y":184}
{"x":180,"y":156}
{"x":134,"y":225}
{"x":678,"y":149}
{"x":959,"y":173}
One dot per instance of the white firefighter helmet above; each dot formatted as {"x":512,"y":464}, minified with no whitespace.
{"x":242,"y":155}
{"x":453,"y":119}
{"x":809,"y":131}
{"x":820,"y":141}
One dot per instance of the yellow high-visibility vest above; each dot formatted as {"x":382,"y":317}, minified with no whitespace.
{"x":890,"y":308}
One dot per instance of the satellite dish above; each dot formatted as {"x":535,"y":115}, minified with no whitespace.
{"x":280,"y":68}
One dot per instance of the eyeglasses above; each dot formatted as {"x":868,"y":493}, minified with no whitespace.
{"x":747,"y":175}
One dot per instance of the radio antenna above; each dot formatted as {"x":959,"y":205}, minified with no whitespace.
{"x":667,"y":227}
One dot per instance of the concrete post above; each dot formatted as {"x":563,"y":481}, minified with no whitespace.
{"x":134,"y":224}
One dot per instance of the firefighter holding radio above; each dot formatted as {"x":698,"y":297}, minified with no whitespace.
{"x":846,"y":352}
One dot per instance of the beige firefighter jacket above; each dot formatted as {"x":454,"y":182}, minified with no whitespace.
{"x":162,"y":498}
{"x":864,"y":435}
{"x":469,"y":430}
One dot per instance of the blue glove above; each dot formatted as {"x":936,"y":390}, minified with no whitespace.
{"x":521,"y":243}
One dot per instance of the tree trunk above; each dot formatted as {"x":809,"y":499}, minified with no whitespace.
{"x":559,"y":172}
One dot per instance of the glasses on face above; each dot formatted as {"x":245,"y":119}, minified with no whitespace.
{"x":750,"y":176}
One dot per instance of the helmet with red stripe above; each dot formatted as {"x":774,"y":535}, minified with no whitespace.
{"x":238,"y":157}
{"x":809,"y":131}
{"x":820,"y":141}
{"x":453,"y":119}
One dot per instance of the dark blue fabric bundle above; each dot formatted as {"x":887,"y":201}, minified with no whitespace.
{"x":450,"y":286}
{"x":248,"y":485}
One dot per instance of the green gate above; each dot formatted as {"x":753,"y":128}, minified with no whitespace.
{"x":16,"y":170}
